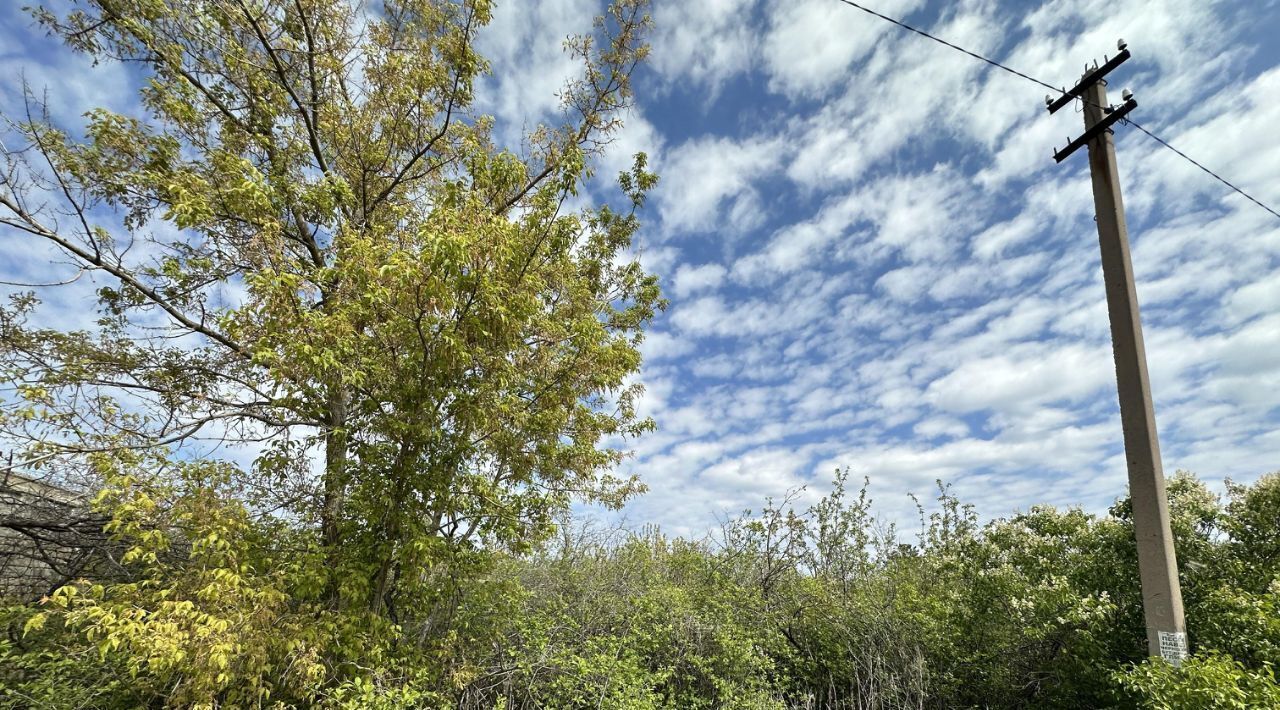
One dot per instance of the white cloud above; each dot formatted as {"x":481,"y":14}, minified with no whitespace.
{"x":1028,"y":378}
{"x":654,"y":260}
{"x":950,"y":427}
{"x":524,"y":43}
{"x":916,"y":217}
{"x":718,"y":367}
{"x":709,"y":179}
{"x":637,"y":135}
{"x":967,"y":335}
{"x":906,"y":92}
{"x":691,"y":279}
{"x":705,"y":43}
{"x":1257,"y":298}
{"x":762,"y":472}
{"x":712,"y":316}
{"x":659,"y":345}
{"x":1239,"y":142}
{"x":811,"y":42}
{"x":67,"y":82}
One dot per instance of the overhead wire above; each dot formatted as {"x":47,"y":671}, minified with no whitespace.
{"x":956,"y":47}
{"x":1196,"y":163}
{"x":1051,"y":87}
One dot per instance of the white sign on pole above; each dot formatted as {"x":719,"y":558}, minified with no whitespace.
{"x":1173,"y":646}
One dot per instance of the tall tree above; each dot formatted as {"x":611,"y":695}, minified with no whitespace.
{"x":308,"y":241}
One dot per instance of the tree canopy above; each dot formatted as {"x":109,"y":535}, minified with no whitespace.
{"x":307,"y":242}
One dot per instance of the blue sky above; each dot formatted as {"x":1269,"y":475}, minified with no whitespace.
{"x":872,"y":259}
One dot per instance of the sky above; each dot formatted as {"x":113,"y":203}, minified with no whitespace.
{"x":871,"y":258}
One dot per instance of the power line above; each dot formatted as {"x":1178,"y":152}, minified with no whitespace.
{"x":956,"y":47}
{"x":1051,"y":87}
{"x":1189,"y":159}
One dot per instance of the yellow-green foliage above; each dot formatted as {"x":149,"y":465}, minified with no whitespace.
{"x":1208,"y":681}
{"x":312,"y":246}
{"x":784,"y":609}
{"x":205,"y":617}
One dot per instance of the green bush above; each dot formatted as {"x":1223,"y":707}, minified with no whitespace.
{"x":785,"y":608}
{"x":1210,"y":682}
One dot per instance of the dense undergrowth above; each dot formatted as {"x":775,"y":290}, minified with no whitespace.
{"x":822,"y":608}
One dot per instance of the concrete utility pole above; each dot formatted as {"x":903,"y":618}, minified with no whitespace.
{"x":1157,"y":564}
